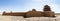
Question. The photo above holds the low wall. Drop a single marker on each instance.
(40, 19)
(11, 18)
(20, 18)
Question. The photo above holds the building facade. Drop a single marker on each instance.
(46, 13)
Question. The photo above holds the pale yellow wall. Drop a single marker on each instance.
(11, 18)
(5, 18)
(20, 18)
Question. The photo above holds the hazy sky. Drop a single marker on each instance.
(25, 5)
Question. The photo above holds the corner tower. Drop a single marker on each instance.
(47, 8)
(48, 12)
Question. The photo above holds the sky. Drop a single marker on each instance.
(26, 5)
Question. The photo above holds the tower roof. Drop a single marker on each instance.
(33, 9)
(47, 8)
